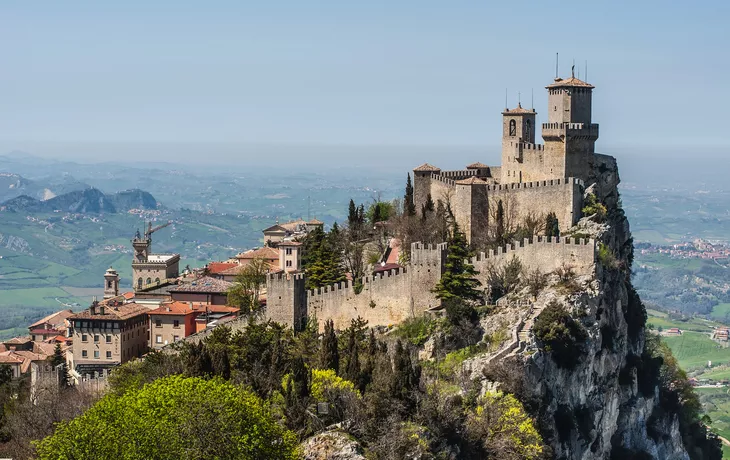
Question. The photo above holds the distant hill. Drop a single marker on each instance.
(90, 200)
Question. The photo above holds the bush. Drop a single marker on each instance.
(607, 257)
(416, 330)
(558, 333)
(593, 207)
(504, 279)
(195, 418)
(567, 279)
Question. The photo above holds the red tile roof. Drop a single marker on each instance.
(128, 295)
(290, 243)
(386, 267)
(215, 268)
(569, 82)
(119, 312)
(262, 253)
(427, 167)
(53, 319)
(476, 165)
(473, 180)
(8, 357)
(275, 228)
(18, 340)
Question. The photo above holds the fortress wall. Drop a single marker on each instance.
(286, 298)
(564, 197)
(545, 254)
(442, 189)
(385, 299)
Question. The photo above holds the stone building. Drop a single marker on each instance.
(107, 334)
(534, 178)
(150, 270)
(173, 321)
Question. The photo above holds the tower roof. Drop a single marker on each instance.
(476, 165)
(471, 181)
(519, 110)
(427, 167)
(569, 82)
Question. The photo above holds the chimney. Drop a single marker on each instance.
(101, 310)
(92, 308)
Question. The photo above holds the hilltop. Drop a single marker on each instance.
(90, 200)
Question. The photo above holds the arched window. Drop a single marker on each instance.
(139, 283)
(512, 128)
(149, 280)
(528, 130)
(157, 280)
(109, 284)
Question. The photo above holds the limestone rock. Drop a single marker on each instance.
(332, 445)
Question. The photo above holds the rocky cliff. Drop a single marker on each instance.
(90, 200)
(601, 406)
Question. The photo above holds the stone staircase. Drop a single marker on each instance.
(523, 334)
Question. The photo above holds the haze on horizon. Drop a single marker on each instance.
(320, 83)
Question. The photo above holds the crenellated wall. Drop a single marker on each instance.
(542, 253)
(390, 297)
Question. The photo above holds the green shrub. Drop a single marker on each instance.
(558, 333)
(607, 257)
(593, 206)
(416, 330)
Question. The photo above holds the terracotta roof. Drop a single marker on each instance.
(473, 180)
(128, 295)
(427, 167)
(8, 357)
(42, 331)
(17, 340)
(121, 312)
(263, 253)
(53, 318)
(217, 267)
(205, 284)
(291, 226)
(519, 110)
(178, 308)
(45, 348)
(289, 243)
(315, 222)
(386, 267)
(476, 165)
(570, 82)
(275, 228)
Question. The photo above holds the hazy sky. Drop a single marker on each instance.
(341, 72)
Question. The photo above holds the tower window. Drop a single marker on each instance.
(512, 128)
(139, 283)
(528, 130)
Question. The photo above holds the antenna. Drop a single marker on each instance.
(519, 99)
(572, 70)
(556, 65)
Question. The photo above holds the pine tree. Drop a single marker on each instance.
(324, 264)
(458, 279)
(406, 376)
(428, 208)
(552, 226)
(329, 353)
(352, 371)
(409, 204)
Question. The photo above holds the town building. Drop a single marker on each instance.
(206, 290)
(107, 334)
(151, 270)
(52, 326)
(290, 256)
(173, 321)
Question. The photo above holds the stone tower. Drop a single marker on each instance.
(141, 247)
(569, 134)
(422, 184)
(111, 283)
(518, 130)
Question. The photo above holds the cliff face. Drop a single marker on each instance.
(598, 408)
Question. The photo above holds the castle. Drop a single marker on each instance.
(533, 180)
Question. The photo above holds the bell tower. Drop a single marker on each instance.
(141, 247)
(111, 283)
(518, 131)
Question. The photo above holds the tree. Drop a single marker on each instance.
(249, 282)
(324, 266)
(329, 352)
(351, 214)
(499, 230)
(409, 205)
(428, 207)
(552, 227)
(195, 418)
(458, 279)
(58, 361)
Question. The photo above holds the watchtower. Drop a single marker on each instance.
(111, 283)
(569, 134)
(141, 247)
(518, 129)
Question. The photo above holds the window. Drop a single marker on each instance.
(96, 338)
(84, 338)
(96, 354)
(512, 128)
(175, 338)
(176, 323)
(158, 323)
(555, 108)
(84, 354)
(157, 280)
(109, 284)
(528, 129)
(288, 251)
(288, 263)
(108, 355)
(158, 339)
(139, 283)
(149, 280)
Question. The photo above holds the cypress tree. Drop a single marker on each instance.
(376, 213)
(458, 279)
(499, 224)
(409, 205)
(329, 353)
(552, 227)
(428, 207)
(351, 214)
(352, 371)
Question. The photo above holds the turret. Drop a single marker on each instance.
(111, 283)
(142, 246)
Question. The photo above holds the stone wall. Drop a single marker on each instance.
(545, 254)
(286, 299)
(564, 197)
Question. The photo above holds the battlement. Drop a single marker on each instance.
(516, 246)
(431, 254)
(285, 276)
(536, 184)
(348, 287)
(579, 130)
(527, 146)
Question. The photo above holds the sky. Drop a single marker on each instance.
(193, 81)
